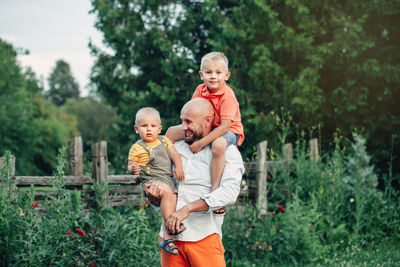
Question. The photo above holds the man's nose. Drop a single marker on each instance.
(184, 126)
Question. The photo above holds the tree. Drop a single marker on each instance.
(62, 84)
(98, 121)
(330, 62)
(95, 119)
(15, 107)
(33, 85)
(53, 129)
(157, 47)
(337, 63)
(30, 127)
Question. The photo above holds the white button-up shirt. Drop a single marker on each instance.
(197, 185)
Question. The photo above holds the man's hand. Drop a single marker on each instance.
(178, 173)
(196, 147)
(153, 192)
(175, 219)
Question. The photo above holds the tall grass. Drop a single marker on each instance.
(318, 210)
(62, 231)
(325, 212)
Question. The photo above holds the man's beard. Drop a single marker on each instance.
(195, 137)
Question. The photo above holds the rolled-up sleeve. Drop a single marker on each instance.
(229, 189)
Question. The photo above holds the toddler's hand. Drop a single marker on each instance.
(134, 168)
(196, 147)
(178, 173)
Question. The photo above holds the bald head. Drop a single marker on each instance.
(199, 106)
(197, 116)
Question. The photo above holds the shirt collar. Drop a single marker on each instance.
(206, 92)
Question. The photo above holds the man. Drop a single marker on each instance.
(201, 243)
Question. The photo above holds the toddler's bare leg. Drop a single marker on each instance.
(218, 161)
(175, 133)
(167, 206)
(217, 166)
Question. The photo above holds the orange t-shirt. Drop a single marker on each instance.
(226, 107)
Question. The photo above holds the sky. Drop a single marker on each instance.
(51, 30)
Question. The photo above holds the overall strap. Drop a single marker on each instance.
(144, 145)
(163, 140)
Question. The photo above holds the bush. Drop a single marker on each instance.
(316, 210)
(318, 214)
(62, 231)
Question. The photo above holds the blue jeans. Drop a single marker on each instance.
(231, 138)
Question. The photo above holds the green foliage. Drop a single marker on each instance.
(96, 122)
(362, 183)
(328, 212)
(323, 62)
(384, 254)
(61, 231)
(30, 127)
(54, 128)
(62, 84)
(33, 85)
(156, 50)
(150, 66)
(335, 64)
(95, 119)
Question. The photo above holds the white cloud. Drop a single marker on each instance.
(51, 30)
(8, 38)
(44, 63)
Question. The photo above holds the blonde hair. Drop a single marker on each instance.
(214, 56)
(147, 111)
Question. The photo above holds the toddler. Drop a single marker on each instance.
(151, 157)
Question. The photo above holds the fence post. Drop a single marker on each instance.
(261, 179)
(76, 156)
(287, 151)
(100, 162)
(11, 170)
(314, 155)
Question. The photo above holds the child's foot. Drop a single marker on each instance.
(182, 228)
(220, 212)
(169, 246)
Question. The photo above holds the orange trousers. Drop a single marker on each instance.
(204, 253)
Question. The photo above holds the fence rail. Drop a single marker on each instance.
(125, 192)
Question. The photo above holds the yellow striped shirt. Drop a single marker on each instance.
(140, 155)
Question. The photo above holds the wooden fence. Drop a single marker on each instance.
(123, 189)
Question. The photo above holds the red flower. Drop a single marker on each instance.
(91, 264)
(282, 208)
(68, 233)
(34, 204)
(146, 202)
(79, 231)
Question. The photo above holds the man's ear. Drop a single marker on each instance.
(208, 120)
